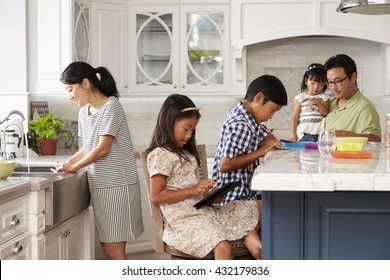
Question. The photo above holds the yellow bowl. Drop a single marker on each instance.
(350, 143)
(6, 169)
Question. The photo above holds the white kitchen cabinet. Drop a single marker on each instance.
(58, 34)
(36, 218)
(14, 234)
(178, 48)
(258, 21)
(17, 248)
(71, 240)
(109, 40)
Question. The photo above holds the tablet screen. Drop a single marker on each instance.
(218, 193)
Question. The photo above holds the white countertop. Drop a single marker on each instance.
(13, 184)
(306, 170)
(12, 188)
(41, 160)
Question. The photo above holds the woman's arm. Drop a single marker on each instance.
(101, 150)
(76, 157)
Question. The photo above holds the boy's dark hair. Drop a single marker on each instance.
(315, 72)
(343, 61)
(170, 112)
(270, 86)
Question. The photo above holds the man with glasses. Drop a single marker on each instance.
(351, 113)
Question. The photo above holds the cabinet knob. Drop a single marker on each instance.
(66, 233)
(174, 86)
(183, 86)
(18, 247)
(15, 220)
(125, 86)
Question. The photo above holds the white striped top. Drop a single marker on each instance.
(310, 119)
(118, 167)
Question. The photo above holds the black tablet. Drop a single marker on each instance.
(220, 192)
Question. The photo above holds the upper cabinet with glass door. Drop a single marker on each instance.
(179, 49)
(205, 62)
(154, 49)
(81, 34)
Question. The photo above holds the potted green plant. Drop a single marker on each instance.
(45, 132)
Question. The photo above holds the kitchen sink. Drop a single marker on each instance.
(65, 198)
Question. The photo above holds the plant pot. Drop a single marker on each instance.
(48, 147)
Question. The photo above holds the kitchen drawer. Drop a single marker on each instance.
(13, 218)
(18, 248)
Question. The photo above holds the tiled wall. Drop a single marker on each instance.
(286, 58)
(142, 115)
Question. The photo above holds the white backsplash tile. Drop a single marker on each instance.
(286, 58)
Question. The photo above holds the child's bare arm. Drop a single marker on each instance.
(294, 121)
(323, 106)
(160, 194)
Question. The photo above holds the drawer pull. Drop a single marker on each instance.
(66, 233)
(18, 247)
(15, 220)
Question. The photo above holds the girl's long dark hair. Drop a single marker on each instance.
(77, 71)
(170, 112)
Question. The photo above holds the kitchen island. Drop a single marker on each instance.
(317, 207)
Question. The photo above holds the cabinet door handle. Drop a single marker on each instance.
(15, 220)
(66, 233)
(18, 247)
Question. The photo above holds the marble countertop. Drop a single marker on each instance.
(306, 170)
(19, 185)
(41, 160)
(12, 188)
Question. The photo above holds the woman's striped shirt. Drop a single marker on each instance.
(118, 167)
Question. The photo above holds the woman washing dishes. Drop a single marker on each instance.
(108, 156)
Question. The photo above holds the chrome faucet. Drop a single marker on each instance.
(13, 112)
(6, 156)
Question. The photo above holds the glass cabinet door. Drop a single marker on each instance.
(205, 45)
(154, 44)
(81, 39)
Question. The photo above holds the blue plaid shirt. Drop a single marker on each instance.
(240, 135)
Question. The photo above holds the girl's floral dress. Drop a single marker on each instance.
(197, 232)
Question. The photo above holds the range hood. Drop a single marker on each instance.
(367, 7)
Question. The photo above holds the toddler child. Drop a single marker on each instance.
(310, 106)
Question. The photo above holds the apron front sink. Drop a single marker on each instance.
(67, 197)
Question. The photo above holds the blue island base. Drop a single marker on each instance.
(326, 225)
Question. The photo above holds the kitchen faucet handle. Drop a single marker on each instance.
(7, 156)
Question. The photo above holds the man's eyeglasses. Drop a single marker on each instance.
(338, 83)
